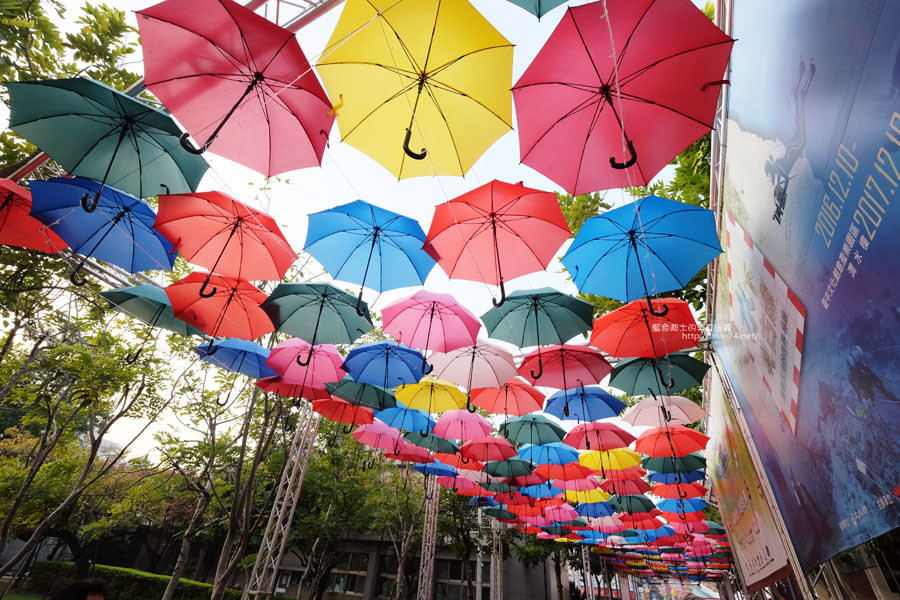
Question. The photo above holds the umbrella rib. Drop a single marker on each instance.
(106, 135)
(236, 62)
(249, 59)
(663, 106)
(575, 109)
(628, 78)
(621, 54)
(447, 88)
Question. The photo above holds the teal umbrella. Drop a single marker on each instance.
(431, 442)
(667, 375)
(531, 429)
(150, 304)
(318, 313)
(362, 394)
(631, 503)
(97, 132)
(666, 464)
(499, 512)
(509, 468)
(538, 8)
(499, 487)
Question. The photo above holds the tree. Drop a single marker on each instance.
(458, 522)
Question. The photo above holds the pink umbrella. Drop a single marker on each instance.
(324, 364)
(479, 365)
(662, 410)
(478, 476)
(460, 485)
(461, 425)
(488, 448)
(515, 397)
(598, 436)
(563, 512)
(610, 524)
(430, 321)
(564, 366)
(679, 527)
(625, 486)
(538, 521)
(292, 390)
(578, 485)
(377, 435)
(409, 453)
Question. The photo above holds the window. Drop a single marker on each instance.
(349, 574)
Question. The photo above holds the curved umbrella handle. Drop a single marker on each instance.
(654, 312)
(76, 278)
(566, 408)
(680, 495)
(212, 348)
(624, 165)
(667, 383)
(90, 204)
(540, 368)
(426, 368)
(463, 459)
(347, 428)
(131, 359)
(308, 359)
(409, 151)
(331, 442)
(666, 414)
(204, 292)
(502, 299)
(469, 406)
(186, 144)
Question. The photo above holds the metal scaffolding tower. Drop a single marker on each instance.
(496, 562)
(586, 570)
(268, 560)
(429, 539)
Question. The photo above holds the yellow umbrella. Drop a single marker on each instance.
(594, 495)
(419, 74)
(610, 460)
(431, 394)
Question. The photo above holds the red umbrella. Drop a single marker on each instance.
(674, 440)
(679, 490)
(455, 460)
(564, 366)
(237, 82)
(343, 412)
(489, 448)
(629, 473)
(684, 517)
(520, 228)
(598, 436)
(564, 472)
(409, 453)
(577, 485)
(633, 330)
(232, 311)
(215, 231)
(18, 227)
(613, 97)
(292, 390)
(462, 486)
(625, 486)
(515, 397)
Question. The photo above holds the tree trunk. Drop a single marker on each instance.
(186, 541)
(557, 559)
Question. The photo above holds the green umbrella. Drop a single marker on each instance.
(640, 376)
(362, 394)
(538, 8)
(537, 317)
(95, 131)
(715, 528)
(499, 512)
(579, 522)
(509, 468)
(431, 442)
(631, 503)
(150, 304)
(317, 313)
(531, 429)
(666, 464)
(499, 487)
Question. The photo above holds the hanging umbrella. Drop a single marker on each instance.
(341, 411)
(682, 505)
(317, 312)
(520, 228)
(508, 468)
(554, 453)
(150, 305)
(409, 64)
(458, 461)
(292, 390)
(406, 419)
(637, 329)
(361, 394)
(598, 436)
(430, 321)
(689, 477)
(487, 448)
(387, 364)
(119, 230)
(463, 487)
(538, 8)
(477, 366)
(631, 503)
(17, 226)
(651, 246)
(515, 397)
(618, 90)
(99, 133)
(238, 356)
(533, 429)
(238, 83)
(462, 425)
(215, 231)
(409, 453)
(594, 510)
(671, 464)
(613, 460)
(562, 365)
(431, 395)
(541, 490)
(233, 310)
(431, 442)
(583, 404)
(594, 495)
(322, 367)
(436, 468)
(679, 490)
(625, 486)
(660, 410)
(377, 435)
(674, 440)
(564, 472)
(672, 373)
(362, 243)
(482, 501)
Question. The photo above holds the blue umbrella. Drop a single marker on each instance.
(541, 490)
(364, 244)
(387, 364)
(119, 231)
(554, 453)
(584, 404)
(676, 505)
(594, 510)
(650, 246)
(437, 469)
(406, 419)
(237, 355)
(483, 501)
(689, 477)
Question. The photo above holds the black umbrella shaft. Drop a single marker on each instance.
(221, 124)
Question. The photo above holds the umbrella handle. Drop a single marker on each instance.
(90, 204)
(359, 308)
(212, 348)
(540, 369)
(76, 278)
(502, 299)
(204, 292)
(131, 359)
(347, 428)
(654, 312)
(464, 459)
(624, 165)
(667, 383)
(331, 442)
(308, 359)
(186, 144)
(409, 151)
(426, 368)
(470, 407)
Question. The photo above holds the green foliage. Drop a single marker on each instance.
(578, 209)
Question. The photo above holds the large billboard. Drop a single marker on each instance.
(807, 307)
(753, 534)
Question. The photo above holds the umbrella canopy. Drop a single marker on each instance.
(675, 440)
(670, 464)
(387, 364)
(119, 230)
(658, 411)
(631, 503)
(233, 310)
(17, 226)
(593, 495)
(679, 490)
(406, 419)
(361, 394)
(625, 486)
(594, 510)
(638, 329)
(554, 453)
(564, 365)
(238, 356)
(634, 82)
(675, 505)
(564, 472)
(532, 429)
(538, 316)
(377, 435)
(670, 374)
(292, 390)
(317, 312)
(479, 365)
(343, 412)
(436, 468)
(424, 94)
(238, 83)
(541, 490)
(487, 448)
(97, 132)
(373, 247)
(613, 460)
(409, 453)
(509, 468)
(515, 397)
(538, 8)
(215, 231)
(521, 228)
(651, 246)
(583, 404)
(458, 461)
(431, 395)
(322, 367)
(431, 442)
(598, 436)
(149, 304)
(689, 477)
(462, 425)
